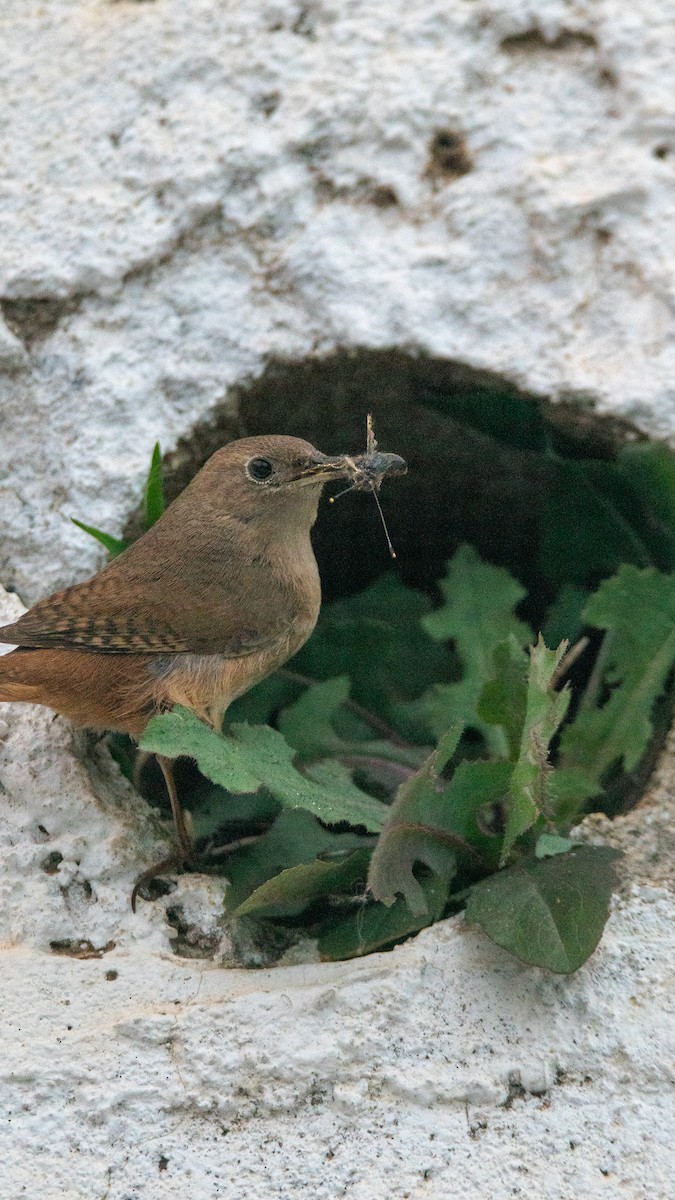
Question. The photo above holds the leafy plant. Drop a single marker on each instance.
(414, 760)
(486, 829)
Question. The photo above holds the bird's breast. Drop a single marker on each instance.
(208, 683)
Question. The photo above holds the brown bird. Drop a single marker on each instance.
(215, 596)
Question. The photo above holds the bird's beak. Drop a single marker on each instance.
(321, 468)
(360, 468)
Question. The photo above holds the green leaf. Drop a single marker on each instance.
(548, 912)
(436, 823)
(568, 793)
(375, 638)
(295, 888)
(213, 808)
(113, 545)
(335, 777)
(374, 926)
(586, 529)
(650, 468)
(492, 413)
(477, 616)
(637, 608)
(549, 844)
(260, 705)
(154, 489)
(544, 712)
(308, 726)
(564, 620)
(503, 699)
(253, 756)
(295, 839)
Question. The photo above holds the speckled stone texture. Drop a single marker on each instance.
(190, 190)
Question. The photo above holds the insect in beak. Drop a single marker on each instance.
(367, 471)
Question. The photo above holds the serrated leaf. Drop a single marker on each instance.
(113, 545)
(252, 756)
(435, 822)
(335, 777)
(374, 926)
(503, 699)
(478, 597)
(477, 616)
(308, 726)
(295, 888)
(544, 712)
(637, 608)
(564, 619)
(548, 912)
(154, 489)
(296, 838)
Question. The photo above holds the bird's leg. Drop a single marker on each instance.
(185, 851)
(184, 839)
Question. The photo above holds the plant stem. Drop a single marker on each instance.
(568, 661)
(590, 696)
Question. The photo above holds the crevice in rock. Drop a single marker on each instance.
(33, 319)
(191, 941)
(449, 157)
(79, 948)
(145, 268)
(534, 41)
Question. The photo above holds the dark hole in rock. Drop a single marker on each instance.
(484, 465)
(448, 155)
(527, 483)
(530, 484)
(50, 864)
(383, 196)
(191, 941)
(552, 493)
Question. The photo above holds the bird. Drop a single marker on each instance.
(216, 595)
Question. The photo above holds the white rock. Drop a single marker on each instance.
(442, 1068)
(189, 190)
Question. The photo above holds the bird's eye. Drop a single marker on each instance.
(259, 469)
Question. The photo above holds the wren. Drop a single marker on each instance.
(219, 593)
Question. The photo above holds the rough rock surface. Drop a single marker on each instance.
(190, 189)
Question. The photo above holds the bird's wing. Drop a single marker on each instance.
(128, 610)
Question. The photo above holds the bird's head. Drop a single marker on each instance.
(261, 476)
